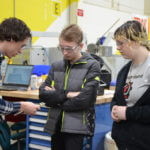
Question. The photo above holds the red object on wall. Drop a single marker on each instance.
(80, 12)
(142, 20)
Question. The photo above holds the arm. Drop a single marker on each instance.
(116, 100)
(117, 105)
(113, 102)
(51, 96)
(9, 107)
(138, 113)
(87, 95)
(13, 107)
(135, 113)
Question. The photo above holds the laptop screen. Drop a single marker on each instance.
(18, 75)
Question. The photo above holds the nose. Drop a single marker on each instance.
(119, 47)
(19, 51)
(65, 52)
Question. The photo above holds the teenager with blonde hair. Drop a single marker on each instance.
(131, 102)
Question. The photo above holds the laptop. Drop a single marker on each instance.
(17, 77)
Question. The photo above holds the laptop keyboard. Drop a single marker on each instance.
(14, 88)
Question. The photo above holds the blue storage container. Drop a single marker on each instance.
(41, 69)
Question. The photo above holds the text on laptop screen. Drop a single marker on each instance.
(18, 75)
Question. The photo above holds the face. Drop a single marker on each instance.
(12, 48)
(126, 48)
(70, 50)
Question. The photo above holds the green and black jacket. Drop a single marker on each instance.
(77, 114)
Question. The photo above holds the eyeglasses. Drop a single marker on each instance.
(67, 48)
(120, 43)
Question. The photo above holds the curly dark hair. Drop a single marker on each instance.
(14, 29)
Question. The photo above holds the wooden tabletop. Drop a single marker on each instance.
(104, 99)
(31, 94)
(34, 94)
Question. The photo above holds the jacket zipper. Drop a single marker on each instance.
(65, 87)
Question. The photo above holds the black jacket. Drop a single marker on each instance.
(99, 59)
(136, 129)
(78, 77)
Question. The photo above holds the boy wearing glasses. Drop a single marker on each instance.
(70, 92)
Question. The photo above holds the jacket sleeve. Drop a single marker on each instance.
(113, 102)
(51, 97)
(9, 107)
(138, 113)
(88, 93)
(116, 100)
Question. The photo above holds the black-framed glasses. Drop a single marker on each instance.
(67, 48)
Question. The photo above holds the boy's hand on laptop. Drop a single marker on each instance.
(29, 108)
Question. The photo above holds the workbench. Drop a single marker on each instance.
(36, 138)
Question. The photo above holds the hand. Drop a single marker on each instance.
(29, 108)
(49, 88)
(114, 114)
(119, 113)
(72, 94)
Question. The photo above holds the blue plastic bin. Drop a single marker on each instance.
(41, 69)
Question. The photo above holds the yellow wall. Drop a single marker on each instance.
(38, 14)
(149, 28)
(6, 9)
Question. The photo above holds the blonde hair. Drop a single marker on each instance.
(133, 31)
